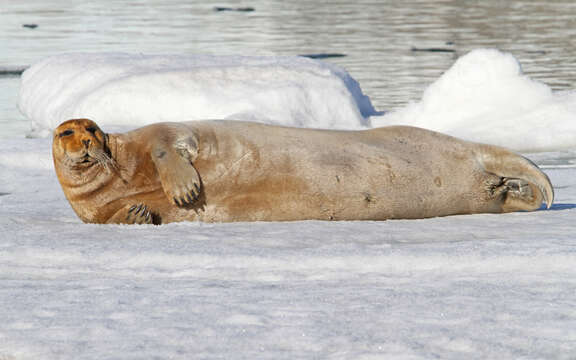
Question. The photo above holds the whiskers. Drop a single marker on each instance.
(104, 160)
(76, 162)
(92, 158)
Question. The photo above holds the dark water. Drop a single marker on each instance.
(394, 49)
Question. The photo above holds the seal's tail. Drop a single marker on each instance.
(526, 185)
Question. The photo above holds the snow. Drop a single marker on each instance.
(485, 97)
(135, 90)
(474, 287)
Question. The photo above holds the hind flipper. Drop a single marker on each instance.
(522, 185)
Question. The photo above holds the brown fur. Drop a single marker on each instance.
(219, 171)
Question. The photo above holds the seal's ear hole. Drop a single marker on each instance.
(66, 133)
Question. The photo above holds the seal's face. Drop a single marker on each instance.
(79, 143)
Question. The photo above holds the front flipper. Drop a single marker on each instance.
(180, 180)
(133, 214)
(139, 214)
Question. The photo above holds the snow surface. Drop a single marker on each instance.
(462, 287)
(473, 287)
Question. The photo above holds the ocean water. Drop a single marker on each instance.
(394, 49)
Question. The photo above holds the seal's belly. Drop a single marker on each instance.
(333, 183)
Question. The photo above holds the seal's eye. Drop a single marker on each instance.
(91, 129)
(66, 133)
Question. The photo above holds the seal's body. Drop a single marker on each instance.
(223, 171)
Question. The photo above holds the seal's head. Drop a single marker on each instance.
(79, 143)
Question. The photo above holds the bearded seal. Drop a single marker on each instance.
(225, 171)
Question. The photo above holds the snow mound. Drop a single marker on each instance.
(485, 97)
(134, 90)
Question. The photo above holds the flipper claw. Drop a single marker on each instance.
(138, 214)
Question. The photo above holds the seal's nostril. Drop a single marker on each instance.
(86, 142)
